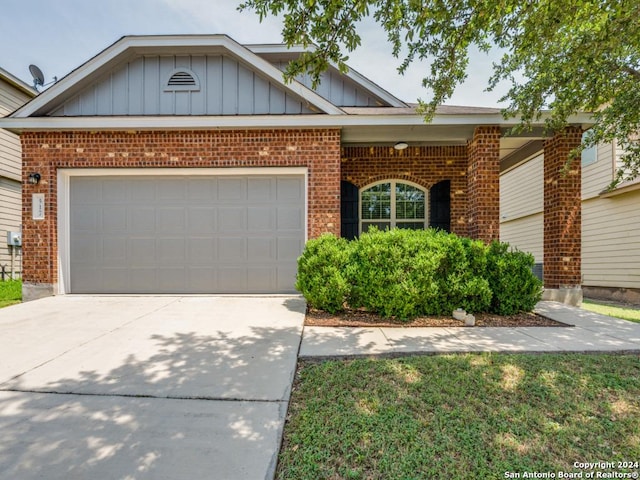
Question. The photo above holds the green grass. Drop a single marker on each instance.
(625, 313)
(460, 416)
(10, 292)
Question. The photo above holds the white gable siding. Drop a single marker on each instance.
(226, 87)
(338, 89)
(521, 206)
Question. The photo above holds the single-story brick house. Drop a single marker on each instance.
(186, 164)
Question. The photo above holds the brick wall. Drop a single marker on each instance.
(484, 184)
(424, 166)
(45, 152)
(562, 211)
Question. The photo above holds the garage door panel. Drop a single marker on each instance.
(114, 218)
(114, 250)
(289, 248)
(260, 219)
(115, 280)
(170, 219)
(289, 218)
(261, 249)
(172, 250)
(86, 218)
(232, 219)
(144, 279)
(142, 251)
(260, 190)
(143, 190)
(232, 190)
(258, 277)
(185, 234)
(204, 189)
(142, 219)
(202, 250)
(115, 192)
(232, 279)
(202, 219)
(290, 189)
(232, 250)
(86, 249)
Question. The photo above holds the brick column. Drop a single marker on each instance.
(483, 184)
(562, 217)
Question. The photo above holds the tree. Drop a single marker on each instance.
(566, 56)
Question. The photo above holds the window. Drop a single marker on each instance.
(390, 204)
(589, 155)
(182, 79)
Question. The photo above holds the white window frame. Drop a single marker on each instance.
(591, 151)
(393, 220)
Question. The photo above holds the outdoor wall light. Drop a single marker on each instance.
(34, 178)
(401, 145)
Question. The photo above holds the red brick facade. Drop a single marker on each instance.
(483, 179)
(425, 166)
(562, 211)
(45, 152)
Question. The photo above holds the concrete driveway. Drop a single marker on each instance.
(146, 387)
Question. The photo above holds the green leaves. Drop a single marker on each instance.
(568, 56)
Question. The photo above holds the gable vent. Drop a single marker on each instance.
(182, 79)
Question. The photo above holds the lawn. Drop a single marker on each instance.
(626, 313)
(10, 292)
(461, 416)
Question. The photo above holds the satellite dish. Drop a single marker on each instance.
(38, 76)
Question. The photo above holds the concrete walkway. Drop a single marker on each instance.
(146, 387)
(590, 332)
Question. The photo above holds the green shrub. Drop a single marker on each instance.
(406, 273)
(515, 288)
(321, 273)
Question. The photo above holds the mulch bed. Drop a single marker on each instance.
(359, 318)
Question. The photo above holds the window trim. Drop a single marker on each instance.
(393, 220)
(586, 163)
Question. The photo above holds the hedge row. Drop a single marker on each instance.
(407, 273)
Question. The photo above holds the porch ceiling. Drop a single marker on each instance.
(512, 148)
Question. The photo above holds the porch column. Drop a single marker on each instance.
(483, 184)
(562, 218)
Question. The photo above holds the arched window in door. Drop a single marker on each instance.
(393, 203)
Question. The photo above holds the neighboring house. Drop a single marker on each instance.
(186, 164)
(13, 94)
(610, 220)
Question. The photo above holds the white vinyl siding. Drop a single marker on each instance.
(10, 152)
(10, 219)
(610, 246)
(525, 234)
(521, 206)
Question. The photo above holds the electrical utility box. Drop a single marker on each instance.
(14, 239)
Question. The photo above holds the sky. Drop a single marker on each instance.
(60, 35)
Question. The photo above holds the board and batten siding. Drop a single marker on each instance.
(339, 89)
(226, 87)
(521, 207)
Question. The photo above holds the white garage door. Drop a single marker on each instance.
(185, 234)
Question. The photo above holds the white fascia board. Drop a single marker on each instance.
(193, 122)
(17, 83)
(354, 75)
(175, 41)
